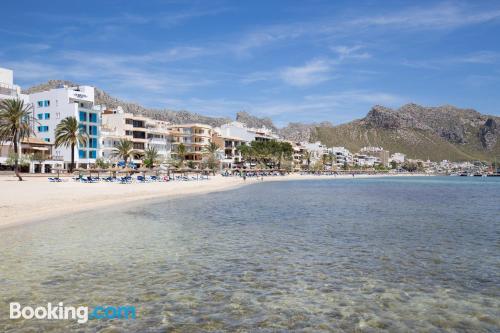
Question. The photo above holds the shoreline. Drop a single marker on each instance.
(37, 200)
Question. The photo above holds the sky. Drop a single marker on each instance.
(292, 61)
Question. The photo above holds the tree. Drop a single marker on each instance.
(394, 165)
(318, 166)
(15, 125)
(246, 152)
(181, 153)
(22, 160)
(307, 158)
(151, 156)
(70, 134)
(410, 166)
(324, 160)
(333, 160)
(212, 148)
(285, 152)
(124, 149)
(101, 163)
(212, 161)
(38, 157)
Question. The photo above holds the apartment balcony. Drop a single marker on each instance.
(7, 90)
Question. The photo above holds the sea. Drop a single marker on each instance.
(392, 254)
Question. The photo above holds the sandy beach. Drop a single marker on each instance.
(37, 199)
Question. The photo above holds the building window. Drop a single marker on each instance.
(92, 117)
(83, 128)
(40, 116)
(46, 103)
(92, 130)
(46, 139)
(83, 116)
(43, 128)
(92, 154)
(47, 116)
(92, 143)
(40, 104)
(82, 154)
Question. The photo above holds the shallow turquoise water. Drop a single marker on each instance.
(394, 254)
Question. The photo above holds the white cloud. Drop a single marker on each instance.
(440, 16)
(482, 57)
(313, 72)
(350, 52)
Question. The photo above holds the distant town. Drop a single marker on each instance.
(232, 146)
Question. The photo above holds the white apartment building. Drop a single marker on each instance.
(8, 90)
(342, 156)
(366, 160)
(54, 105)
(398, 158)
(234, 134)
(239, 130)
(28, 146)
(316, 149)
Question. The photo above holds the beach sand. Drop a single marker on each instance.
(37, 199)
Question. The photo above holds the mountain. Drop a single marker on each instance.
(299, 132)
(444, 132)
(436, 133)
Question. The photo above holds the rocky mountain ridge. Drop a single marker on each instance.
(443, 132)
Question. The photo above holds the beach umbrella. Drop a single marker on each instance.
(58, 170)
(143, 170)
(113, 171)
(127, 170)
(157, 170)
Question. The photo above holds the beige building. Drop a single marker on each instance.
(195, 138)
(142, 131)
(230, 155)
(379, 152)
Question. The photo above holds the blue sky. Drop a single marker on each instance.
(291, 61)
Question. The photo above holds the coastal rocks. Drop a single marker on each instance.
(488, 134)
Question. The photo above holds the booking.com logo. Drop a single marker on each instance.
(61, 312)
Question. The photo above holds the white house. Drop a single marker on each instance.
(342, 155)
(398, 158)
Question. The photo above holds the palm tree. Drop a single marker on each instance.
(124, 149)
(246, 151)
(70, 134)
(212, 148)
(151, 156)
(15, 125)
(211, 151)
(181, 153)
(307, 157)
(333, 160)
